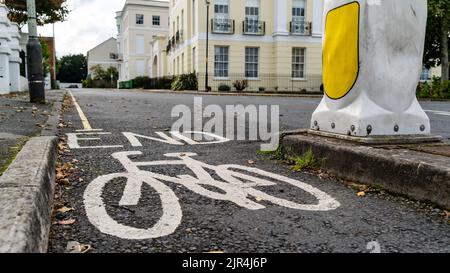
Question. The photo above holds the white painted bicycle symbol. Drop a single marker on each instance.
(239, 186)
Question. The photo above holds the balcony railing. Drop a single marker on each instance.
(300, 27)
(222, 26)
(254, 27)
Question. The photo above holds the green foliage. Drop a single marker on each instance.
(274, 155)
(185, 82)
(240, 85)
(112, 73)
(87, 83)
(139, 82)
(45, 57)
(434, 90)
(305, 161)
(99, 73)
(72, 68)
(48, 11)
(224, 88)
(438, 28)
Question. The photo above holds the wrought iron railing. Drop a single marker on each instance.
(254, 27)
(222, 26)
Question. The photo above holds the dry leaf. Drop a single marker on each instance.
(361, 194)
(65, 209)
(259, 199)
(76, 247)
(59, 176)
(251, 162)
(67, 222)
(64, 182)
(447, 215)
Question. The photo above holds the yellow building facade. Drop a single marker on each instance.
(273, 44)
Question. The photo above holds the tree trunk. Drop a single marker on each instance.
(444, 50)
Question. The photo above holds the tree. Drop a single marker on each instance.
(48, 11)
(99, 73)
(45, 58)
(72, 68)
(112, 71)
(438, 36)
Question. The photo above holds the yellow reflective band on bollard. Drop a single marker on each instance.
(341, 50)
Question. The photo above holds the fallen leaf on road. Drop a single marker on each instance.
(64, 182)
(67, 222)
(59, 176)
(251, 162)
(259, 199)
(65, 209)
(361, 194)
(447, 215)
(76, 247)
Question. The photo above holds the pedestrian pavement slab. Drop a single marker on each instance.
(20, 120)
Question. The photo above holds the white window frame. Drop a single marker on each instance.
(221, 62)
(156, 20)
(297, 57)
(252, 62)
(252, 16)
(140, 21)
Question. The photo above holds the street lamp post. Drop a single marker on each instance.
(34, 56)
(207, 45)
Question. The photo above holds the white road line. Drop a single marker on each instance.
(86, 125)
(441, 113)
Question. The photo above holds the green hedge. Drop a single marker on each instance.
(185, 82)
(434, 90)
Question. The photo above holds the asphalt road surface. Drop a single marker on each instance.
(189, 198)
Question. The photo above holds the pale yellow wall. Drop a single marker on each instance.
(129, 30)
(275, 54)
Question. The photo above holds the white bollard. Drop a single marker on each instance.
(372, 60)
(5, 51)
(14, 59)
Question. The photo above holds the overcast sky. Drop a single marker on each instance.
(89, 23)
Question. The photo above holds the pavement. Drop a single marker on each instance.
(27, 170)
(169, 208)
(19, 121)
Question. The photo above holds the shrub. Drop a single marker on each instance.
(185, 82)
(139, 82)
(240, 85)
(434, 90)
(87, 83)
(224, 88)
(262, 89)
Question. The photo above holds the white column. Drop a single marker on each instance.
(4, 50)
(280, 8)
(317, 22)
(14, 59)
